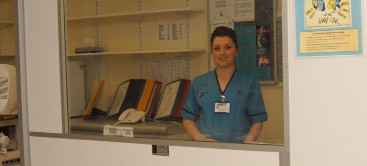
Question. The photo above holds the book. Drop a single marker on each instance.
(118, 99)
(132, 97)
(173, 100)
(91, 111)
(147, 92)
(153, 101)
(182, 98)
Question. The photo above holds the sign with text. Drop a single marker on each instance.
(329, 41)
(328, 27)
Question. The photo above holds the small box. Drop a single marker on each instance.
(88, 49)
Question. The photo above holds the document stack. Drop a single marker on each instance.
(173, 100)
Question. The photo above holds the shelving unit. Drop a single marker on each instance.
(10, 122)
(104, 26)
(129, 31)
(7, 56)
(136, 52)
(7, 34)
(135, 14)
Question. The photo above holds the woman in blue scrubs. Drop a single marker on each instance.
(224, 105)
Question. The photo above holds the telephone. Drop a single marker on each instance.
(4, 142)
(131, 115)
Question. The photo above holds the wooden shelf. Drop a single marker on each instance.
(134, 52)
(7, 55)
(5, 23)
(10, 122)
(133, 14)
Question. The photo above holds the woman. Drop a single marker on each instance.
(224, 105)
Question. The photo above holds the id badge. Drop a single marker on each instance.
(222, 107)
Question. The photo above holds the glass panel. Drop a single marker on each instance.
(130, 66)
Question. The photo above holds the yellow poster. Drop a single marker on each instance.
(327, 13)
(329, 41)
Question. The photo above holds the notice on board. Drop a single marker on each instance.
(329, 41)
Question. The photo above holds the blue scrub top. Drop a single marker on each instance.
(246, 106)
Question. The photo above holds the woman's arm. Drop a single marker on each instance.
(254, 132)
(194, 132)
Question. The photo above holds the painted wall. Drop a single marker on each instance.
(327, 108)
(60, 152)
(43, 66)
(327, 105)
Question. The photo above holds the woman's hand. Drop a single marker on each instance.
(194, 132)
(203, 138)
(254, 132)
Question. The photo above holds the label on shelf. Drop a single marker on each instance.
(118, 131)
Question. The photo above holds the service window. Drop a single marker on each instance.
(130, 65)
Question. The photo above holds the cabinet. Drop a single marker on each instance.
(150, 39)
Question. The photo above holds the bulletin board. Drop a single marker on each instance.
(254, 22)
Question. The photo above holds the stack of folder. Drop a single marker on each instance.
(173, 99)
(140, 94)
(144, 95)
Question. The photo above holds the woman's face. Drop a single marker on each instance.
(224, 51)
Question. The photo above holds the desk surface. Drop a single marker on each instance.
(147, 129)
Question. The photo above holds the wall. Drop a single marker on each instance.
(60, 152)
(327, 105)
(43, 66)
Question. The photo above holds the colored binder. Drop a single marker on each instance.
(172, 100)
(118, 99)
(132, 97)
(153, 101)
(91, 111)
(147, 92)
(183, 94)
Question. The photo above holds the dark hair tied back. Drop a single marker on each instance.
(224, 31)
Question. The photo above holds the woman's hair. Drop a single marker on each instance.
(224, 31)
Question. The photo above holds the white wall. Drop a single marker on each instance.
(61, 152)
(43, 67)
(327, 106)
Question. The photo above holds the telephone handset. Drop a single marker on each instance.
(131, 115)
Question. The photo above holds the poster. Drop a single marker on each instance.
(328, 27)
(243, 10)
(254, 50)
(171, 31)
(327, 13)
(220, 9)
(221, 22)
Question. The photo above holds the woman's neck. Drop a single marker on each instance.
(225, 73)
